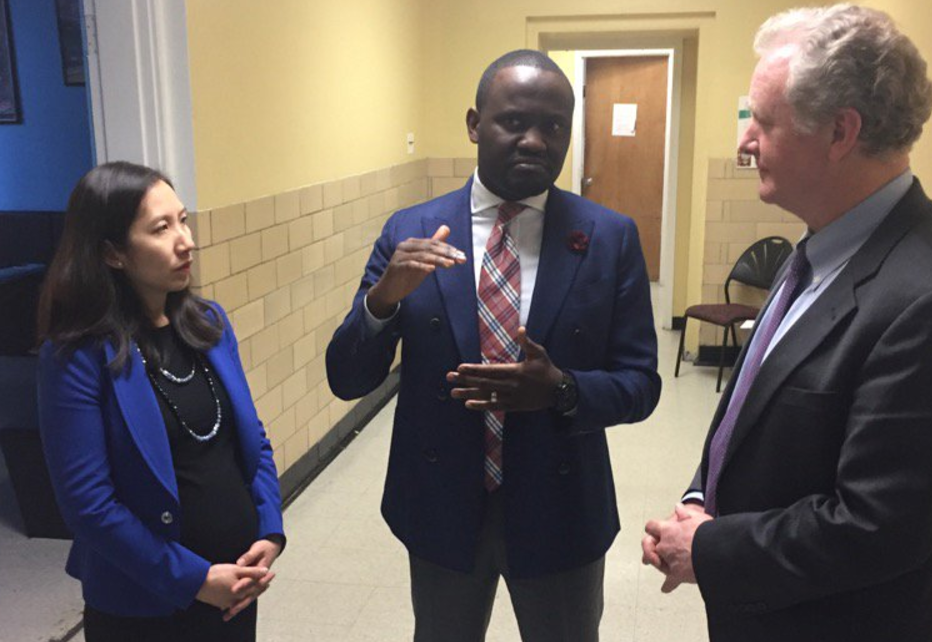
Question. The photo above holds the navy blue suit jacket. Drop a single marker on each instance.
(112, 471)
(591, 311)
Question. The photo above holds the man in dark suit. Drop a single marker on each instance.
(526, 329)
(811, 516)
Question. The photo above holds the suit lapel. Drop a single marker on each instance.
(799, 342)
(457, 285)
(835, 304)
(558, 264)
(143, 418)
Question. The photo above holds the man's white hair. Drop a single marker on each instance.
(852, 57)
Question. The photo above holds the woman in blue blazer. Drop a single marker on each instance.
(160, 465)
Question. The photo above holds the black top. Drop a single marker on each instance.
(218, 515)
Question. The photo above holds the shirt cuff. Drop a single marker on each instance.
(694, 496)
(373, 323)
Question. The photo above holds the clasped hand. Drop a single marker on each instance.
(668, 544)
(521, 386)
(233, 587)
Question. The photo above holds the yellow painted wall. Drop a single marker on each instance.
(463, 37)
(292, 92)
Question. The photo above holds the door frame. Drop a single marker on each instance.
(139, 87)
(674, 56)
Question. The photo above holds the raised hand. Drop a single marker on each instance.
(412, 262)
(521, 386)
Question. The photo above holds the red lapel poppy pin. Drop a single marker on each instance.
(577, 242)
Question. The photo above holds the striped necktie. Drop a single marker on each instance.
(499, 298)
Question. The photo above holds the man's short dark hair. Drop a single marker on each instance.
(516, 58)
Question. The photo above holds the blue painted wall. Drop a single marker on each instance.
(42, 157)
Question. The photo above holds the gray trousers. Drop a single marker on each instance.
(456, 607)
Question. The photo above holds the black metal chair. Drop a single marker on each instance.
(758, 267)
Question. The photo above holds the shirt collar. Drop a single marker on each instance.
(483, 199)
(832, 246)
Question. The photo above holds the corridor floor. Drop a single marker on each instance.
(344, 577)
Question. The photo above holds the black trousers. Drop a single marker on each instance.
(456, 607)
(198, 623)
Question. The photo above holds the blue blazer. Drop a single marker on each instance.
(112, 471)
(591, 311)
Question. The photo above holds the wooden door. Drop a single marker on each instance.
(625, 173)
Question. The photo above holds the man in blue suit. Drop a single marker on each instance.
(499, 465)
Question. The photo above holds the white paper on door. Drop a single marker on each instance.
(624, 119)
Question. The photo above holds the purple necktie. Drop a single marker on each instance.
(720, 440)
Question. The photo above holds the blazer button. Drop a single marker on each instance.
(564, 468)
(430, 455)
(577, 332)
(167, 518)
(442, 394)
(435, 324)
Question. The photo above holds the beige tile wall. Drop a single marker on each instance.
(735, 218)
(286, 267)
(448, 174)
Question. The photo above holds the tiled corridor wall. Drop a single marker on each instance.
(285, 267)
(735, 218)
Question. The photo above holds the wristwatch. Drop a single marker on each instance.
(565, 394)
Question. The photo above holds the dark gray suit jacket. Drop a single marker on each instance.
(825, 496)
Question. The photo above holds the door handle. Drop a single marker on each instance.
(587, 182)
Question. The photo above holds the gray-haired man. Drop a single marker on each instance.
(810, 518)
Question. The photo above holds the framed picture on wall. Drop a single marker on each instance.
(70, 42)
(9, 98)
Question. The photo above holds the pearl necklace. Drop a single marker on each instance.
(175, 378)
(171, 405)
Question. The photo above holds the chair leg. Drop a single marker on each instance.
(679, 353)
(734, 335)
(721, 360)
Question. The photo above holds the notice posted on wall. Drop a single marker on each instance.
(744, 161)
(624, 119)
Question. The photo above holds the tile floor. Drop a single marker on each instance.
(344, 578)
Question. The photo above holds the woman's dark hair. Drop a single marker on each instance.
(83, 298)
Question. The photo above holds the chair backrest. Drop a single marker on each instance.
(759, 264)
